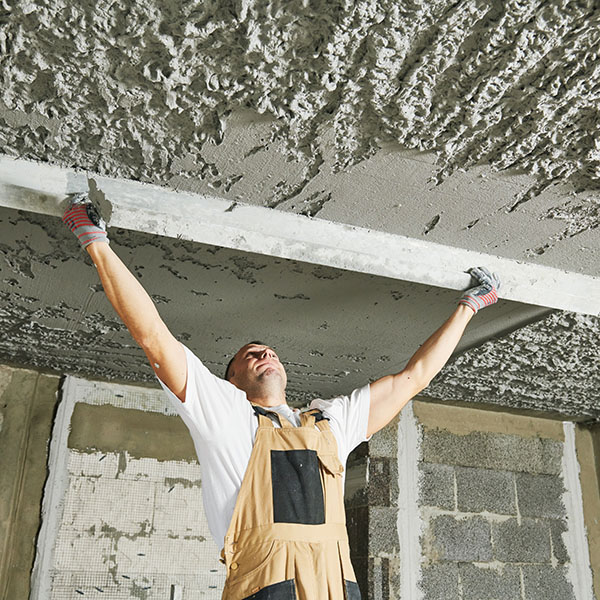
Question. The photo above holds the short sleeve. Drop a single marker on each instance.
(211, 403)
(349, 418)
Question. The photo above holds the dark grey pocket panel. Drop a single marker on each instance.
(352, 590)
(297, 488)
(285, 590)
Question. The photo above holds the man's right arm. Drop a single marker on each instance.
(130, 300)
(137, 311)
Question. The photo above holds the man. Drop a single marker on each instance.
(273, 478)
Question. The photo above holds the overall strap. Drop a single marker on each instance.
(264, 420)
(313, 417)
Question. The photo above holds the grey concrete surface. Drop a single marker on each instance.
(27, 404)
(466, 125)
(136, 432)
(525, 542)
(373, 104)
(334, 329)
(483, 489)
(558, 356)
(461, 540)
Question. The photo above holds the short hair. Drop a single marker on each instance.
(233, 357)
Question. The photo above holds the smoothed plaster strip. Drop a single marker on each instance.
(575, 537)
(54, 494)
(410, 523)
(209, 220)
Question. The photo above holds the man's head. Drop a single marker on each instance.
(256, 369)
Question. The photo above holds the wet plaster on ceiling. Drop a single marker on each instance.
(350, 112)
(334, 329)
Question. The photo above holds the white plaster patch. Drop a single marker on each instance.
(575, 538)
(54, 494)
(410, 523)
(125, 396)
(121, 526)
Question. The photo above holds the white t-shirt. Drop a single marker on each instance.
(223, 426)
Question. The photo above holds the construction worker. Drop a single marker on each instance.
(272, 477)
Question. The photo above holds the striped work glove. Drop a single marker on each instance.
(84, 220)
(484, 294)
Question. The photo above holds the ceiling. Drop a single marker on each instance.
(474, 125)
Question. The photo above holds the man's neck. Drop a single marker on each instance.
(268, 401)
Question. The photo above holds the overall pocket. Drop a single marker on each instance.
(250, 562)
(297, 487)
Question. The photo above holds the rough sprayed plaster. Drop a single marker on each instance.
(553, 364)
(363, 98)
(345, 111)
(55, 316)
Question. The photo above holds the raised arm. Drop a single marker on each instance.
(129, 299)
(391, 393)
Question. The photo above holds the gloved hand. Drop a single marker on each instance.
(84, 220)
(484, 294)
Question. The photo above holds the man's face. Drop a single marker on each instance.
(255, 366)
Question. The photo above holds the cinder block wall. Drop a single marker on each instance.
(468, 504)
(445, 502)
(491, 504)
(372, 490)
(27, 404)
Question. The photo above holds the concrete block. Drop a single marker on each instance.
(540, 495)
(439, 581)
(462, 540)
(355, 490)
(384, 444)
(383, 531)
(490, 584)
(481, 490)
(559, 550)
(383, 482)
(379, 579)
(495, 451)
(437, 486)
(528, 542)
(357, 524)
(543, 582)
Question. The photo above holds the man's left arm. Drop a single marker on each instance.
(391, 393)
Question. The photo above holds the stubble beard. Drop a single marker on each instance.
(270, 381)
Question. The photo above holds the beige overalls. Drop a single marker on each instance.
(287, 537)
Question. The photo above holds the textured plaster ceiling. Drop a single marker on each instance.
(334, 329)
(471, 124)
(553, 364)
(350, 111)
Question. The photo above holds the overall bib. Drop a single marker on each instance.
(287, 537)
